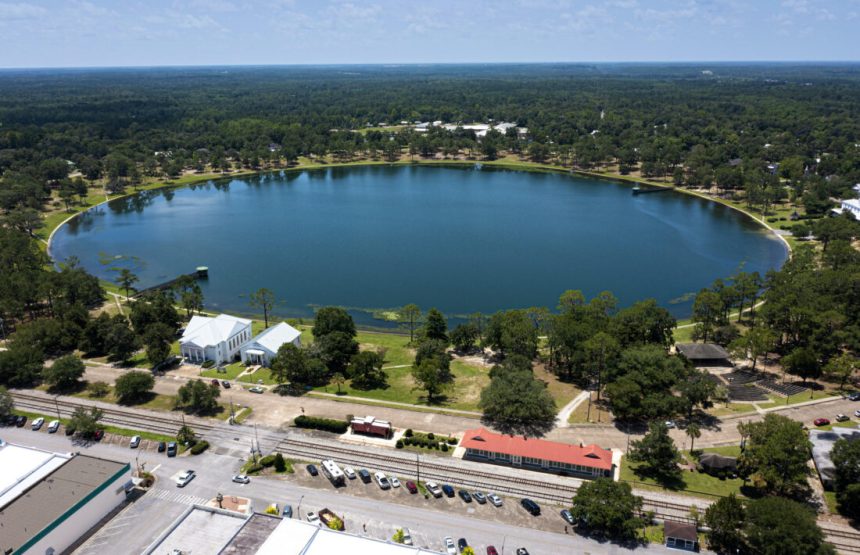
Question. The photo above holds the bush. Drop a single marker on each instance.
(267, 461)
(253, 469)
(408, 432)
(199, 447)
(452, 441)
(431, 436)
(399, 444)
(208, 364)
(325, 424)
(444, 447)
(98, 389)
(280, 464)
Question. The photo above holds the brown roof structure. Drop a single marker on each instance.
(681, 531)
(62, 491)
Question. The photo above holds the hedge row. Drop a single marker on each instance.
(199, 447)
(325, 424)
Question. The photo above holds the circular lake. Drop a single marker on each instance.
(463, 239)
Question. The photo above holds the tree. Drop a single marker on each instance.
(757, 342)
(707, 313)
(86, 423)
(338, 379)
(330, 319)
(65, 373)
(435, 326)
(133, 387)
(778, 526)
(846, 479)
(6, 403)
(21, 365)
(643, 323)
(697, 389)
(693, 432)
(98, 389)
(802, 362)
(186, 435)
(126, 280)
(641, 384)
(289, 365)
(120, 342)
(410, 316)
(517, 403)
(841, 368)
(398, 536)
(601, 353)
(198, 397)
(365, 370)
(725, 520)
(657, 453)
(336, 349)
(264, 299)
(156, 341)
(607, 508)
(463, 337)
(432, 375)
(775, 456)
(512, 332)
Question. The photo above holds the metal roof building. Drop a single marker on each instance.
(49, 500)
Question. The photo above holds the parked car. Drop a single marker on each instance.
(857, 413)
(225, 384)
(410, 485)
(530, 506)
(842, 418)
(462, 544)
(53, 426)
(671, 424)
(171, 449)
(821, 421)
(491, 550)
(20, 421)
(288, 511)
(407, 537)
(434, 489)
(37, 423)
(135, 442)
(10, 420)
(382, 480)
(395, 483)
(215, 382)
(522, 551)
(364, 475)
(349, 472)
(256, 389)
(854, 396)
(480, 497)
(99, 435)
(313, 518)
(241, 479)
(495, 499)
(162, 446)
(183, 479)
(450, 548)
(465, 496)
(449, 491)
(312, 470)
(565, 514)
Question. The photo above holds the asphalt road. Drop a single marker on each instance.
(362, 505)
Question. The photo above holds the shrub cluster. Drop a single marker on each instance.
(253, 469)
(199, 447)
(208, 364)
(267, 461)
(425, 441)
(325, 424)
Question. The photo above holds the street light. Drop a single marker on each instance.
(299, 508)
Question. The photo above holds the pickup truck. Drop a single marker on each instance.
(331, 520)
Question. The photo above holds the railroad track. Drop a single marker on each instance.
(463, 474)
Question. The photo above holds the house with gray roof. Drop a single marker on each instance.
(263, 348)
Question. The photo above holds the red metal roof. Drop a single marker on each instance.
(587, 455)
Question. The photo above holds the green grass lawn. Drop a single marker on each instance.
(696, 484)
(262, 373)
(229, 372)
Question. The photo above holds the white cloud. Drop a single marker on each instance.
(20, 10)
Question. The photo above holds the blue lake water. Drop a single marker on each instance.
(461, 239)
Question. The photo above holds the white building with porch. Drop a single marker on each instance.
(217, 339)
(263, 348)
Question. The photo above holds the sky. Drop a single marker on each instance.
(87, 33)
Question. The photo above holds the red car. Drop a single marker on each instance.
(410, 485)
(98, 435)
(491, 550)
(216, 383)
(821, 422)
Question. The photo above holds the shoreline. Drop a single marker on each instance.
(525, 166)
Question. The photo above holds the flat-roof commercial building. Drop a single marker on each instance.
(49, 500)
(588, 461)
(822, 445)
(209, 531)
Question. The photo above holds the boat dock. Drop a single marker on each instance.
(202, 272)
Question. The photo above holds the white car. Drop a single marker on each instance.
(857, 413)
(313, 518)
(450, 548)
(241, 479)
(53, 426)
(183, 479)
(495, 499)
(382, 480)
(37, 423)
(395, 483)
(670, 424)
(434, 489)
(135, 442)
(349, 472)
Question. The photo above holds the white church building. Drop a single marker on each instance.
(225, 338)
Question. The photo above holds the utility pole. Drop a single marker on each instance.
(418, 467)
(232, 413)
(57, 405)
(259, 452)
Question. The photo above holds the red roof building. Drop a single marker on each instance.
(583, 460)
